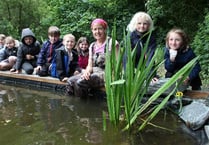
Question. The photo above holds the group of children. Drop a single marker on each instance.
(57, 57)
(77, 63)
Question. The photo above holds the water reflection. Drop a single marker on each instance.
(31, 117)
(47, 118)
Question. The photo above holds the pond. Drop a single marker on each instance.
(40, 117)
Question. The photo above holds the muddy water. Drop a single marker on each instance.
(31, 117)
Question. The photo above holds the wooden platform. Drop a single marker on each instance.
(7, 77)
(197, 94)
(35, 81)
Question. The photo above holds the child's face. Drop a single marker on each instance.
(10, 44)
(83, 45)
(53, 38)
(142, 25)
(98, 32)
(174, 41)
(1, 41)
(69, 42)
(28, 40)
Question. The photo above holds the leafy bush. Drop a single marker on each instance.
(201, 47)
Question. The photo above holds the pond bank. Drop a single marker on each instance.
(34, 81)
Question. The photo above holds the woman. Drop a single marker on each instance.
(93, 76)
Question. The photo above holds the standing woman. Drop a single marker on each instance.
(93, 76)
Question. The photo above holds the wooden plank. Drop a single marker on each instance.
(196, 94)
(32, 77)
(34, 81)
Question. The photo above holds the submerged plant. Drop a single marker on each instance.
(126, 85)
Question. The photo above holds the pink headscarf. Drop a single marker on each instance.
(99, 21)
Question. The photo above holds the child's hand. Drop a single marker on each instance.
(65, 79)
(173, 54)
(29, 57)
(76, 72)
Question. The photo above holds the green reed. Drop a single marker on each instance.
(126, 86)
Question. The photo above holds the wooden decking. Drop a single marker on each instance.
(35, 81)
(7, 77)
(197, 94)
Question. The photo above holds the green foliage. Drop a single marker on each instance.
(16, 15)
(75, 16)
(185, 14)
(201, 46)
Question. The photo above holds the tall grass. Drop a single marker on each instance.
(126, 86)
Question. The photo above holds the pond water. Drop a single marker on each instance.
(32, 117)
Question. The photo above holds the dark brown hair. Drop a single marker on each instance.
(53, 31)
(80, 40)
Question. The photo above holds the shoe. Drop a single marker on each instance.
(12, 70)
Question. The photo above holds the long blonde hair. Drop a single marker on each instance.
(133, 23)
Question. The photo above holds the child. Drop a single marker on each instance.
(66, 59)
(140, 26)
(2, 40)
(27, 53)
(83, 52)
(178, 54)
(8, 54)
(48, 51)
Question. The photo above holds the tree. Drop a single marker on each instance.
(16, 15)
(185, 14)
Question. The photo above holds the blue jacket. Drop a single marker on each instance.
(182, 58)
(139, 40)
(63, 68)
(44, 55)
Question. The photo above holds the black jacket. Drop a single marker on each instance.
(72, 64)
(25, 49)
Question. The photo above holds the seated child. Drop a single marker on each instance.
(66, 59)
(27, 53)
(8, 54)
(83, 52)
(2, 40)
(47, 51)
(178, 54)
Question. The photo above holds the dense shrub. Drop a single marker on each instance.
(201, 47)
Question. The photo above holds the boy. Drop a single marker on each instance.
(27, 53)
(48, 51)
(66, 59)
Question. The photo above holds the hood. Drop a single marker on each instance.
(27, 32)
